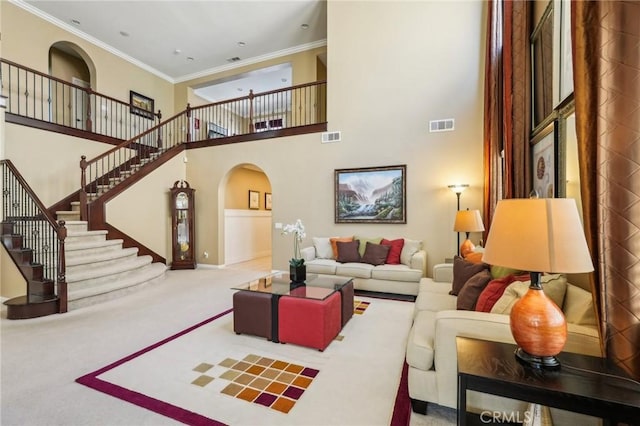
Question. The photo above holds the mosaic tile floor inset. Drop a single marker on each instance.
(359, 306)
(270, 382)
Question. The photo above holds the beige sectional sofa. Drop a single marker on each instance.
(431, 346)
(403, 278)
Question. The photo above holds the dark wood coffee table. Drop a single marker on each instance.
(583, 384)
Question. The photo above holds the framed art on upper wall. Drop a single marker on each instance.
(141, 105)
(371, 195)
(542, 71)
(267, 201)
(544, 157)
(566, 60)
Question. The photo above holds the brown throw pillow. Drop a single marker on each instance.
(471, 290)
(375, 254)
(462, 271)
(348, 251)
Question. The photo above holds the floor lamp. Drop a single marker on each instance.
(458, 188)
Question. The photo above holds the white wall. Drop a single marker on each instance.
(249, 234)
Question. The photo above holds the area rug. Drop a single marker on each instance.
(208, 375)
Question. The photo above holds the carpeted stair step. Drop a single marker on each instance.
(92, 247)
(75, 226)
(85, 236)
(103, 274)
(112, 289)
(81, 261)
(68, 215)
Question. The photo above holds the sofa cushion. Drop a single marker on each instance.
(393, 258)
(348, 251)
(323, 248)
(334, 241)
(322, 266)
(364, 241)
(396, 273)
(356, 270)
(375, 254)
(578, 306)
(554, 286)
(469, 293)
(462, 271)
(420, 341)
(492, 292)
(409, 248)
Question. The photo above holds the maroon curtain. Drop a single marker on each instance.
(507, 99)
(606, 65)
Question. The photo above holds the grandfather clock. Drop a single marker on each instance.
(183, 236)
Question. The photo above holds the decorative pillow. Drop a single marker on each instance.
(323, 248)
(468, 295)
(333, 242)
(364, 241)
(375, 254)
(409, 248)
(554, 286)
(493, 291)
(578, 306)
(462, 271)
(348, 251)
(474, 257)
(393, 258)
(502, 271)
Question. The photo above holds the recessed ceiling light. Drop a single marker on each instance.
(177, 51)
(242, 44)
(190, 58)
(75, 22)
(284, 80)
(239, 89)
(304, 26)
(124, 34)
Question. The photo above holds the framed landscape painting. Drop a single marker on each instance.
(371, 195)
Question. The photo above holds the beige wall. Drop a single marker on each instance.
(66, 67)
(26, 39)
(239, 182)
(143, 210)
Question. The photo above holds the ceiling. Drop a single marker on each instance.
(182, 40)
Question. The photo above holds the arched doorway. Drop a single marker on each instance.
(68, 62)
(247, 222)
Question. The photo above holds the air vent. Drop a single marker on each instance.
(234, 59)
(328, 137)
(446, 125)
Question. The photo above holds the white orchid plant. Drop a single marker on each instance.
(297, 229)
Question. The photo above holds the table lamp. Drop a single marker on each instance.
(458, 188)
(468, 221)
(538, 235)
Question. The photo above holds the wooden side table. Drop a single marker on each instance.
(584, 384)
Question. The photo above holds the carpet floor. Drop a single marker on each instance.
(205, 370)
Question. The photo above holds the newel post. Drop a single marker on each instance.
(159, 141)
(83, 188)
(188, 122)
(62, 266)
(251, 126)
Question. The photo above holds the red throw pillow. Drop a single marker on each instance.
(393, 258)
(494, 290)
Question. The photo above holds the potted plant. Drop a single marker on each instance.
(297, 268)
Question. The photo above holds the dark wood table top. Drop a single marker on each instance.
(580, 377)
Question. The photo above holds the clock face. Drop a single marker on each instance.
(182, 201)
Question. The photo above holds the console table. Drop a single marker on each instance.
(583, 384)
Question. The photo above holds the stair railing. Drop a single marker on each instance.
(40, 230)
(300, 105)
(33, 94)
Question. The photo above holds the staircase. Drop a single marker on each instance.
(99, 269)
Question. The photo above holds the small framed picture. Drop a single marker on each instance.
(544, 160)
(267, 201)
(254, 200)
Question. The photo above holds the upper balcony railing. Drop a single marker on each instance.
(33, 94)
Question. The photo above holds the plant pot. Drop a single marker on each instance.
(298, 273)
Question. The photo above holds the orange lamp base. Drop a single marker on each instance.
(538, 327)
(466, 247)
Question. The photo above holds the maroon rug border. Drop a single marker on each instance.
(401, 410)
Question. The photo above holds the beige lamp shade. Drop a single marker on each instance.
(468, 221)
(539, 234)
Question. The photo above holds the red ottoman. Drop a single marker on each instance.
(309, 322)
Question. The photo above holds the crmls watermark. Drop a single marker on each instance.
(488, 417)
